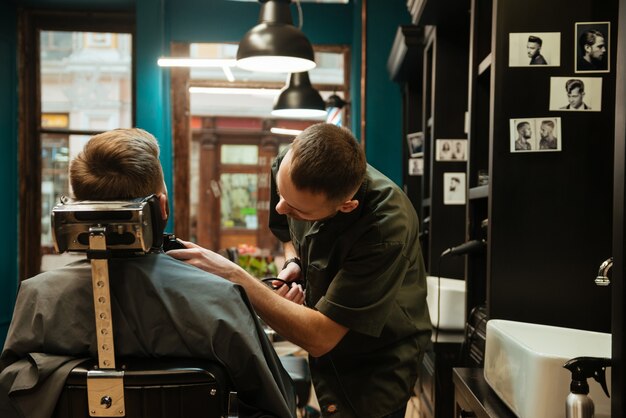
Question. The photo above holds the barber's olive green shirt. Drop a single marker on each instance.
(364, 270)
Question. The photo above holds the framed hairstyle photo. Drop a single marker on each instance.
(416, 166)
(453, 188)
(535, 49)
(576, 94)
(451, 150)
(415, 142)
(592, 47)
(535, 134)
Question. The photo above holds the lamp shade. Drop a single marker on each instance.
(299, 99)
(275, 44)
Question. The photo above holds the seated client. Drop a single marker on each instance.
(161, 307)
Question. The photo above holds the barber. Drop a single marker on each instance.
(352, 235)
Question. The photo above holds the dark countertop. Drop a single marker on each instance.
(477, 396)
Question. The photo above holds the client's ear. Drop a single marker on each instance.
(163, 205)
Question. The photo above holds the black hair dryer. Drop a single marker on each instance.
(469, 247)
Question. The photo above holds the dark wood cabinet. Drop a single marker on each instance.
(548, 213)
(474, 398)
(549, 219)
(444, 110)
(405, 68)
(434, 387)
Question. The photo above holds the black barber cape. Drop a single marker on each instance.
(161, 308)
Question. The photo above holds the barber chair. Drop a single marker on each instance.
(135, 388)
(155, 388)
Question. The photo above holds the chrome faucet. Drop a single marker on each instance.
(602, 279)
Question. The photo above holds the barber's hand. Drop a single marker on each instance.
(290, 273)
(204, 259)
(294, 294)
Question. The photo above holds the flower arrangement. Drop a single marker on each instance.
(254, 262)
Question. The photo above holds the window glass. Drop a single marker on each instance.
(239, 200)
(86, 85)
(240, 154)
(87, 76)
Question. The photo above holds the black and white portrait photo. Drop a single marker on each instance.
(535, 134)
(451, 150)
(592, 47)
(416, 166)
(453, 188)
(415, 142)
(532, 49)
(576, 94)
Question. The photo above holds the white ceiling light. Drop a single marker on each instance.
(196, 62)
(234, 91)
(285, 131)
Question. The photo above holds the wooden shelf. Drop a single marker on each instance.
(479, 192)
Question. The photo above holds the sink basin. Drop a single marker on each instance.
(450, 314)
(524, 366)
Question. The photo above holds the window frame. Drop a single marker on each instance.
(30, 24)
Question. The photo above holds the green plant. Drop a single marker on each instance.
(258, 266)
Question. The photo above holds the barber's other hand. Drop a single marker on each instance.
(290, 273)
(204, 259)
(295, 293)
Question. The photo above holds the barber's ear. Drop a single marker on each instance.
(164, 206)
(349, 206)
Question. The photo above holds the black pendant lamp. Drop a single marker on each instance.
(335, 101)
(299, 99)
(275, 44)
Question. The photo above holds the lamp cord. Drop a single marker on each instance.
(300, 18)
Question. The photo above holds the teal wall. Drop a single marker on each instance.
(158, 22)
(152, 97)
(8, 165)
(383, 98)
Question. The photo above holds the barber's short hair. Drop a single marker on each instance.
(574, 83)
(588, 37)
(118, 164)
(521, 125)
(327, 159)
(535, 39)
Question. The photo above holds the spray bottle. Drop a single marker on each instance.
(578, 403)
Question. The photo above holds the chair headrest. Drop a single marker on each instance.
(131, 225)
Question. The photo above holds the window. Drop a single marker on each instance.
(81, 84)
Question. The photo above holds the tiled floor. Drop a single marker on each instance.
(412, 408)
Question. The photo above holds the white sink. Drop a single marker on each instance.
(524, 366)
(450, 314)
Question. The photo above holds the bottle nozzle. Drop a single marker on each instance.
(583, 368)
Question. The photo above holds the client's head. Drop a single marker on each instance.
(118, 165)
